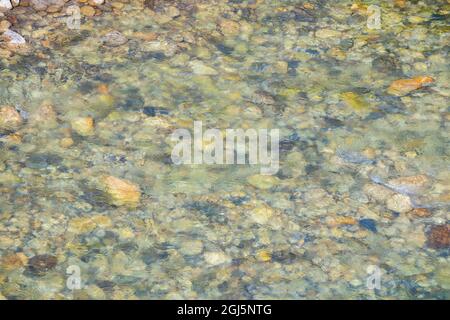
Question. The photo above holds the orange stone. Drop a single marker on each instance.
(103, 89)
(421, 212)
(122, 192)
(404, 86)
(400, 3)
(342, 220)
(10, 119)
(146, 36)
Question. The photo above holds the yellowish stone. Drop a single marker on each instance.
(399, 203)
(229, 27)
(122, 192)
(261, 214)
(10, 119)
(262, 181)
(81, 225)
(87, 11)
(84, 126)
(66, 142)
(327, 33)
(353, 100)
(13, 261)
(217, 258)
(263, 256)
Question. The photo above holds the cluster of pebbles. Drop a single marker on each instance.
(86, 175)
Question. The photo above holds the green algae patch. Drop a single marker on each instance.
(354, 101)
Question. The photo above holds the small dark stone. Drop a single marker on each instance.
(42, 160)
(390, 104)
(149, 111)
(212, 211)
(439, 17)
(385, 64)
(303, 15)
(333, 122)
(40, 71)
(154, 111)
(224, 49)
(95, 197)
(127, 247)
(286, 145)
(259, 66)
(368, 224)
(104, 77)
(353, 157)
(150, 4)
(151, 255)
(40, 264)
(293, 64)
(312, 52)
(346, 44)
(156, 55)
(284, 256)
(86, 87)
(360, 90)
(223, 286)
(237, 201)
(374, 116)
(167, 159)
(126, 280)
(438, 236)
(106, 285)
(356, 19)
(132, 102)
(310, 168)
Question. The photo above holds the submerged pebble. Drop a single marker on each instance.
(122, 192)
(86, 171)
(41, 264)
(439, 236)
(114, 39)
(10, 118)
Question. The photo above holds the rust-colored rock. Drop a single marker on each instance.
(439, 236)
(420, 212)
(400, 3)
(404, 86)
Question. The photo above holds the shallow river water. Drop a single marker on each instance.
(359, 208)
